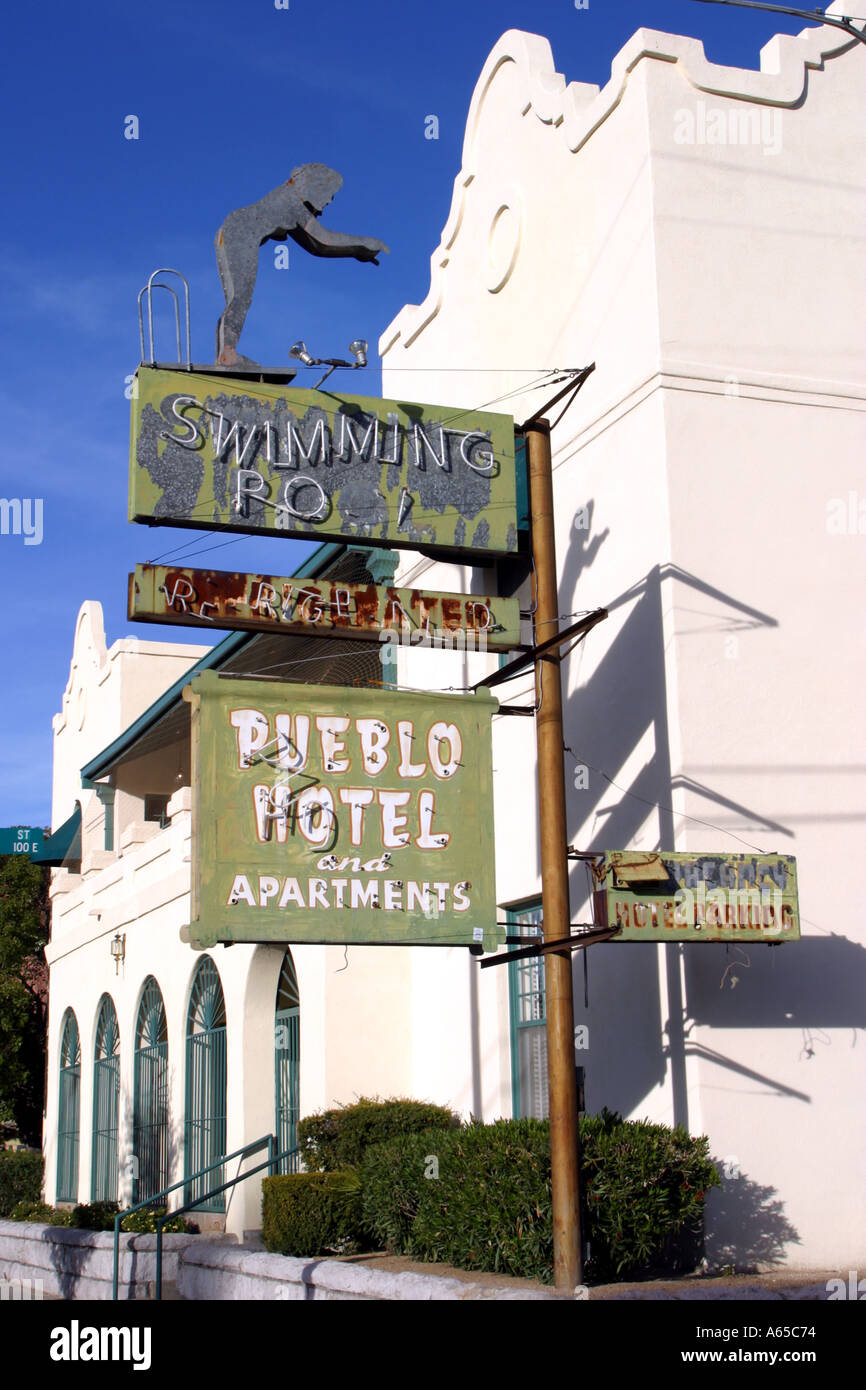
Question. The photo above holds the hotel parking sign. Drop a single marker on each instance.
(677, 896)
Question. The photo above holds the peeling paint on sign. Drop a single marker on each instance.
(330, 814)
(700, 897)
(327, 607)
(209, 453)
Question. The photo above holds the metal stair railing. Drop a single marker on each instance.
(267, 1141)
(270, 1163)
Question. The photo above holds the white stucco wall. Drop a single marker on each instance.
(692, 229)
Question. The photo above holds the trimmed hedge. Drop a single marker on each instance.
(479, 1198)
(21, 1173)
(334, 1140)
(644, 1189)
(311, 1214)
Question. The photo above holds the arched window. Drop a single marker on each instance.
(150, 1096)
(287, 1062)
(205, 1084)
(68, 1110)
(106, 1100)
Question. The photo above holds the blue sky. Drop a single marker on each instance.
(230, 95)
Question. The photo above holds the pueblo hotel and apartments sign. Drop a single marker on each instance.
(331, 814)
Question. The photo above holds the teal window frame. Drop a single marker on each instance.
(526, 997)
(69, 1110)
(206, 1085)
(287, 1062)
(106, 1104)
(150, 1104)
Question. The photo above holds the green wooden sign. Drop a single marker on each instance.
(210, 453)
(676, 896)
(323, 607)
(332, 814)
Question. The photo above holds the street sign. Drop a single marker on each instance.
(678, 896)
(324, 607)
(333, 814)
(214, 454)
(21, 839)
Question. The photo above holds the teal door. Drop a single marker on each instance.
(287, 1062)
(205, 1128)
(150, 1096)
(106, 1101)
(68, 1110)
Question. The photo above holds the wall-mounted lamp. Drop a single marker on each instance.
(118, 950)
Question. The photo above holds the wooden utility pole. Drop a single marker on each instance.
(556, 907)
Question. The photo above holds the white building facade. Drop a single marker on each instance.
(694, 231)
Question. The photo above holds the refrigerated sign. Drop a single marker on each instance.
(332, 814)
(323, 607)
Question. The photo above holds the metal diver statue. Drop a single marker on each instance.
(292, 210)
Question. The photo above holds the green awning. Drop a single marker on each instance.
(64, 844)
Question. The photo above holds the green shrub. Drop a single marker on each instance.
(144, 1222)
(98, 1216)
(477, 1198)
(21, 1172)
(644, 1188)
(480, 1198)
(334, 1140)
(41, 1213)
(312, 1214)
(94, 1216)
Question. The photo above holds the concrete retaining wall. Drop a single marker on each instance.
(221, 1272)
(79, 1264)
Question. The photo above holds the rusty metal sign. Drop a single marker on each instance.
(325, 607)
(675, 896)
(215, 455)
(332, 814)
